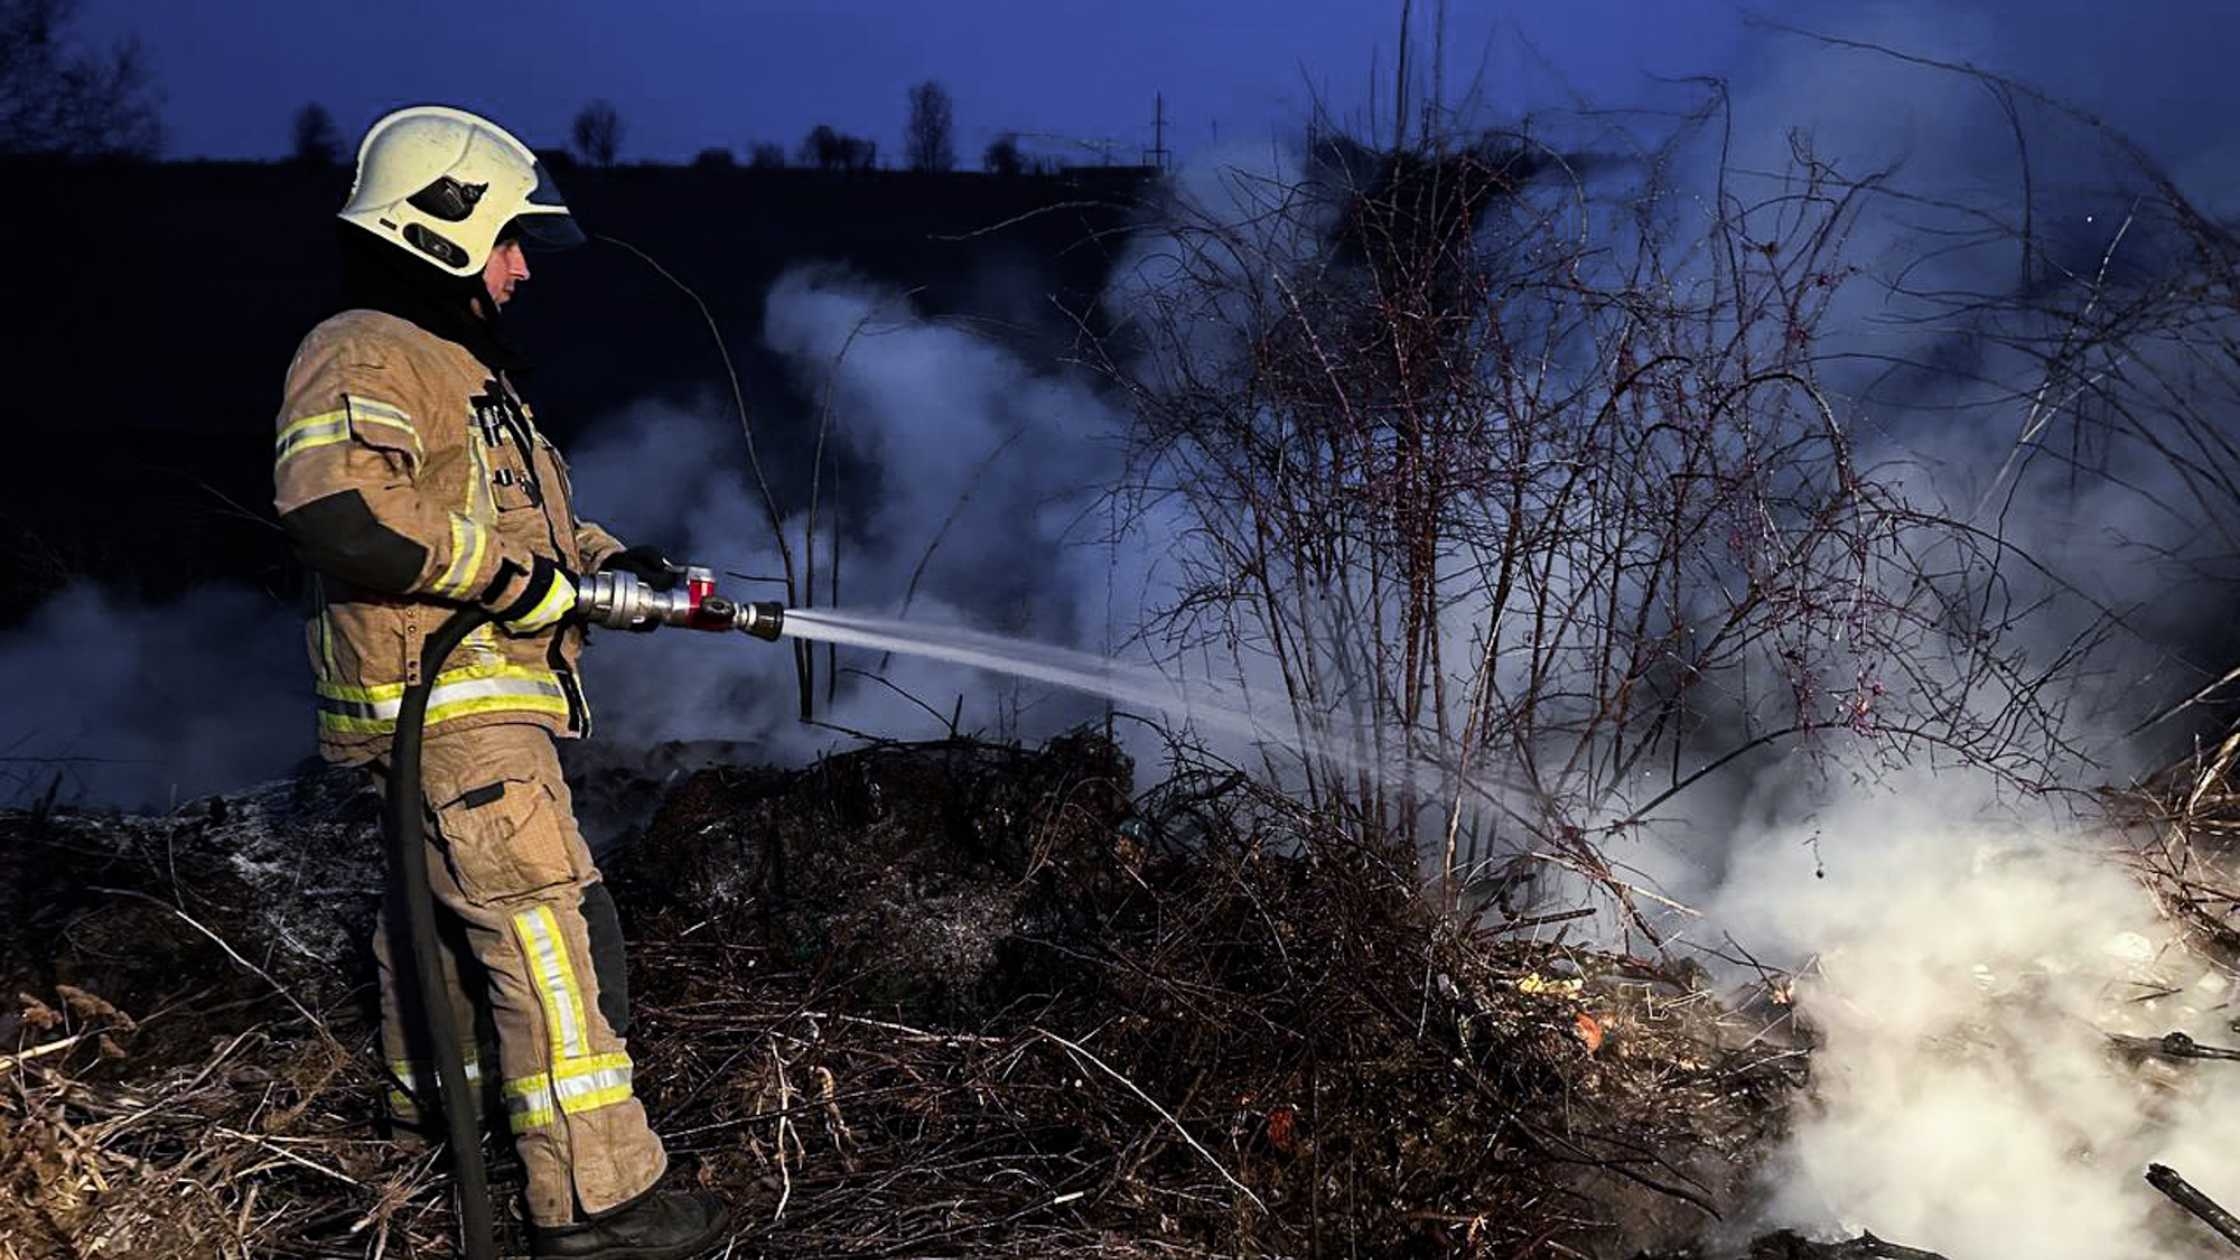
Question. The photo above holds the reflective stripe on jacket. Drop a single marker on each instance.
(412, 480)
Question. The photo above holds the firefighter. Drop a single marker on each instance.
(412, 479)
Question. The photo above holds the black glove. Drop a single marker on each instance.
(647, 564)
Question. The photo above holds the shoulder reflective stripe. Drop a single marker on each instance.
(375, 409)
(374, 412)
(467, 544)
(547, 951)
(330, 427)
(324, 429)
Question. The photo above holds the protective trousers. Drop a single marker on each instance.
(519, 894)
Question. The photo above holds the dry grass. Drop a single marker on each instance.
(954, 1000)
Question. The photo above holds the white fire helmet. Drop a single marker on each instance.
(444, 185)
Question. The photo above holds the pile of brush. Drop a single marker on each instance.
(958, 998)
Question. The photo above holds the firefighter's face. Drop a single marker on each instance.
(507, 267)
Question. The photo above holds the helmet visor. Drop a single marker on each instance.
(544, 222)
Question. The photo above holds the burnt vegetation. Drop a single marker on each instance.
(957, 997)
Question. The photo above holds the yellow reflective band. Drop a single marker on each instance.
(520, 702)
(311, 432)
(378, 414)
(484, 687)
(364, 695)
(578, 1085)
(375, 409)
(479, 504)
(326, 643)
(547, 951)
(555, 605)
(406, 1073)
(466, 558)
(524, 1114)
(350, 724)
(595, 1065)
(578, 1097)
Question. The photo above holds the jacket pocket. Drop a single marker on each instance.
(505, 840)
(511, 488)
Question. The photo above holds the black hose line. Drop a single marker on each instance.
(408, 856)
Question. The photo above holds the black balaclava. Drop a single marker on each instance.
(379, 276)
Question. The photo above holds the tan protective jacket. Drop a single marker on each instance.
(413, 479)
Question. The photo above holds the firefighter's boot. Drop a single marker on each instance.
(664, 1225)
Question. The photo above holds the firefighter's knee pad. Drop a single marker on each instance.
(604, 926)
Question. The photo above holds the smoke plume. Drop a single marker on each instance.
(1965, 965)
(116, 703)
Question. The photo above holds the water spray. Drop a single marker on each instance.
(1208, 706)
(1021, 658)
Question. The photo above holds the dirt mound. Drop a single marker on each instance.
(956, 998)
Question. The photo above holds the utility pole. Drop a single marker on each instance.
(1159, 131)
(1400, 84)
(1438, 108)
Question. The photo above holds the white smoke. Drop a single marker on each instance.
(1967, 955)
(118, 703)
(1966, 961)
(980, 509)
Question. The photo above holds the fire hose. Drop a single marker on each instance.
(614, 600)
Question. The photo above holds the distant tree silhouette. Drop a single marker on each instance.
(829, 149)
(821, 148)
(1001, 157)
(57, 99)
(716, 158)
(928, 135)
(768, 157)
(315, 141)
(598, 133)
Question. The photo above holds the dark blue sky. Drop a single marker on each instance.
(690, 73)
(687, 74)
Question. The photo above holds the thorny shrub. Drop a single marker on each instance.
(1526, 502)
